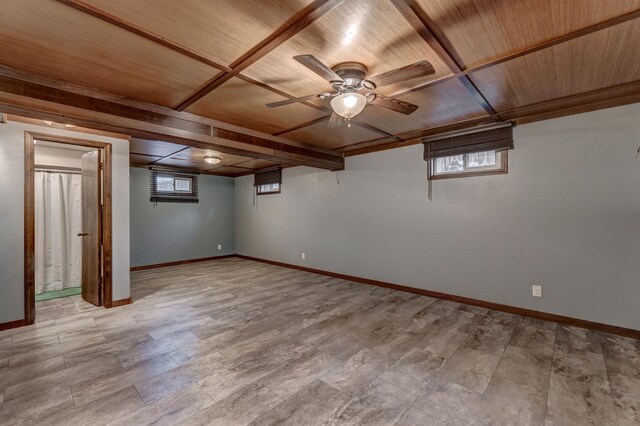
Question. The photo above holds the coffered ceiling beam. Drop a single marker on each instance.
(359, 122)
(606, 97)
(128, 26)
(411, 138)
(35, 100)
(290, 28)
(114, 20)
(303, 125)
(458, 75)
(425, 27)
(161, 110)
(526, 51)
(279, 92)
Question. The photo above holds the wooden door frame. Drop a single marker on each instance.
(29, 217)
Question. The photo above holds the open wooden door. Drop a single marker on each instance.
(91, 228)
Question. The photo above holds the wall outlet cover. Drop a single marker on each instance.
(536, 290)
(219, 246)
(303, 256)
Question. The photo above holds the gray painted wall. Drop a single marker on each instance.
(11, 223)
(12, 215)
(567, 217)
(173, 231)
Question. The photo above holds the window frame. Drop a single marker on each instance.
(174, 196)
(503, 169)
(259, 192)
(175, 177)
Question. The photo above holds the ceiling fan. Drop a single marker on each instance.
(348, 79)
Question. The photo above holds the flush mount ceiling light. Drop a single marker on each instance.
(212, 159)
(347, 79)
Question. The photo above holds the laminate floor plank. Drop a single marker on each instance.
(236, 342)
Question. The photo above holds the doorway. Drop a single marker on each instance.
(67, 225)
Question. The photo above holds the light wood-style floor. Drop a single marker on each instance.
(235, 342)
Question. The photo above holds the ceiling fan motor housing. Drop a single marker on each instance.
(353, 75)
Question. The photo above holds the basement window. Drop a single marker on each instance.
(269, 188)
(473, 152)
(173, 187)
(472, 164)
(268, 181)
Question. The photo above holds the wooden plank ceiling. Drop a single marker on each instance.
(190, 79)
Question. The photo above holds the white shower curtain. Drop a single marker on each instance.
(58, 220)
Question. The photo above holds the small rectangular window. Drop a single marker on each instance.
(472, 164)
(182, 184)
(268, 181)
(173, 187)
(469, 152)
(164, 183)
(269, 188)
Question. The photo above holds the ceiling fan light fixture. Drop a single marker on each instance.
(211, 159)
(349, 104)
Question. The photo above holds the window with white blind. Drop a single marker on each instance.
(472, 164)
(269, 188)
(173, 187)
(475, 152)
(268, 181)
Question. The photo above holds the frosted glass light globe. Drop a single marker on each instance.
(348, 105)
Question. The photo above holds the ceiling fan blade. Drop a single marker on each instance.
(394, 104)
(292, 101)
(315, 65)
(335, 120)
(419, 69)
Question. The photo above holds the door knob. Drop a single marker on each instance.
(82, 234)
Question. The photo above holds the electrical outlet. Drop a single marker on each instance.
(303, 256)
(536, 290)
(219, 246)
